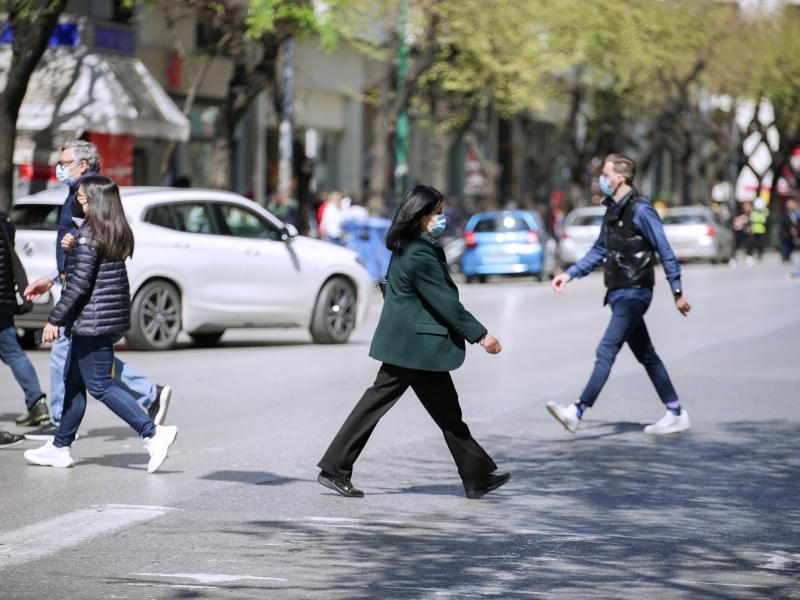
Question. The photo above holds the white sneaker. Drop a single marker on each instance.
(158, 445)
(566, 415)
(50, 456)
(669, 423)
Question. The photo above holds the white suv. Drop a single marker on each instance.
(206, 261)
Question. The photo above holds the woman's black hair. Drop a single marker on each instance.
(417, 203)
(106, 219)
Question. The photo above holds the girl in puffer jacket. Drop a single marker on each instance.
(95, 311)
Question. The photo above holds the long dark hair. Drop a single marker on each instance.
(106, 219)
(417, 203)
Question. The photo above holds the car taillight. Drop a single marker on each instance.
(710, 231)
(533, 237)
(469, 239)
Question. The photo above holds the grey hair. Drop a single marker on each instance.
(82, 150)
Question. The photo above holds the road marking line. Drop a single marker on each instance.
(208, 577)
(738, 585)
(48, 537)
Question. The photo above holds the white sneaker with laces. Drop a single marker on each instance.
(566, 415)
(50, 456)
(158, 445)
(669, 423)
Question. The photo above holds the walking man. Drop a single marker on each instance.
(80, 159)
(630, 236)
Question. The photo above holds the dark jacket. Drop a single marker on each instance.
(8, 295)
(65, 223)
(96, 297)
(423, 325)
(630, 258)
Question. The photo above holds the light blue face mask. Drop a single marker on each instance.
(62, 174)
(437, 226)
(605, 187)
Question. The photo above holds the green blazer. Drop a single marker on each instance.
(423, 324)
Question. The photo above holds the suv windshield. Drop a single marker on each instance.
(36, 216)
(502, 223)
(685, 219)
(585, 220)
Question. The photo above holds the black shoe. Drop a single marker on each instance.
(45, 432)
(36, 415)
(339, 484)
(158, 410)
(9, 439)
(492, 482)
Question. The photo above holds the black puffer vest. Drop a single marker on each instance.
(630, 257)
(96, 298)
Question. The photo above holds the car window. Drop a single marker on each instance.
(685, 219)
(36, 216)
(501, 224)
(242, 222)
(193, 218)
(585, 220)
(162, 216)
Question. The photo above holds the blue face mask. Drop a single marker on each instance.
(605, 187)
(437, 226)
(62, 174)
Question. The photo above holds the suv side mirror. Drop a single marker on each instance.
(288, 231)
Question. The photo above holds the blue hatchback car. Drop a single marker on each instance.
(507, 242)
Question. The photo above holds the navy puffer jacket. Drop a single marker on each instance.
(96, 298)
(8, 295)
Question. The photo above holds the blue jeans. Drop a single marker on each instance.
(12, 354)
(125, 376)
(627, 325)
(88, 368)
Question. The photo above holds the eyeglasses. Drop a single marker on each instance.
(64, 163)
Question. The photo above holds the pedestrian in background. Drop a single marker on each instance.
(758, 228)
(741, 232)
(790, 230)
(419, 339)
(11, 352)
(95, 310)
(630, 236)
(80, 159)
(330, 225)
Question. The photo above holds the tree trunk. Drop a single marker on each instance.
(379, 166)
(442, 145)
(491, 168)
(31, 34)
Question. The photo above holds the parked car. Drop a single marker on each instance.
(697, 232)
(206, 261)
(579, 233)
(506, 242)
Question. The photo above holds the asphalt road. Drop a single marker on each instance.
(606, 513)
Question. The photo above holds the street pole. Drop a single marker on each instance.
(285, 128)
(401, 131)
(260, 154)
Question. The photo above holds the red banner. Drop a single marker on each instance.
(116, 156)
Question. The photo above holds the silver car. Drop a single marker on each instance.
(579, 233)
(697, 233)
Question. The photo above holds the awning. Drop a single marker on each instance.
(75, 91)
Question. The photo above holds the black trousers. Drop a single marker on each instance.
(438, 395)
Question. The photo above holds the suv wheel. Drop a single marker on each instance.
(334, 315)
(155, 317)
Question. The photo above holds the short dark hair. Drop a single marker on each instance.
(624, 165)
(417, 203)
(106, 219)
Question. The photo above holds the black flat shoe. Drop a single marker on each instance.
(340, 485)
(490, 483)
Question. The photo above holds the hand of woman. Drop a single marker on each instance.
(67, 242)
(491, 344)
(50, 333)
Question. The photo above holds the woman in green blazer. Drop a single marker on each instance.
(420, 338)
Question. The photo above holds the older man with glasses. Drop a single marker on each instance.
(80, 159)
